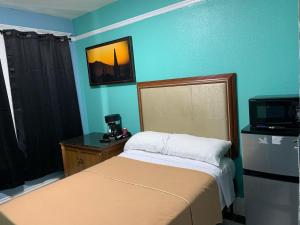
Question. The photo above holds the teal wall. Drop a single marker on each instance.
(255, 39)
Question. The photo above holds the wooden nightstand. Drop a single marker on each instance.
(85, 151)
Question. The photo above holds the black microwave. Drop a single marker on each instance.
(274, 112)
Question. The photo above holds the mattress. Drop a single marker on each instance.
(121, 191)
(224, 174)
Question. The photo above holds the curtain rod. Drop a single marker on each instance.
(31, 29)
(57, 36)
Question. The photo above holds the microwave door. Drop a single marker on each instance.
(267, 114)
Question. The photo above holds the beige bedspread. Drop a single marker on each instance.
(120, 191)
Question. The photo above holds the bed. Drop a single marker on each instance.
(149, 188)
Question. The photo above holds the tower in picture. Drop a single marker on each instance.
(116, 65)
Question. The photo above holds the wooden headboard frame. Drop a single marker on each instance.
(231, 99)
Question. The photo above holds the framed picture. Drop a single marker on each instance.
(111, 62)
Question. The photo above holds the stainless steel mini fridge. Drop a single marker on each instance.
(271, 177)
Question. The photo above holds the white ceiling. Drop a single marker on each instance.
(62, 8)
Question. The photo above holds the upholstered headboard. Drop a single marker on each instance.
(202, 106)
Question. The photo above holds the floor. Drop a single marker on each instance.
(8, 194)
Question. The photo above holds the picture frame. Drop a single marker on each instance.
(111, 62)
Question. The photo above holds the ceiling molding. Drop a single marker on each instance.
(136, 19)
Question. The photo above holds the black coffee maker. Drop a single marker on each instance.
(114, 126)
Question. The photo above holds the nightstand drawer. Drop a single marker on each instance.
(83, 152)
(114, 151)
(71, 161)
(76, 159)
(89, 158)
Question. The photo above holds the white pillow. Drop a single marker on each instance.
(148, 141)
(208, 150)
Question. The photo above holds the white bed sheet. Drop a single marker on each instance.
(223, 174)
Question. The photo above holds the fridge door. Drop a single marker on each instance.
(270, 154)
(270, 202)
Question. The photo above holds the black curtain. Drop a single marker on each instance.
(44, 97)
(11, 158)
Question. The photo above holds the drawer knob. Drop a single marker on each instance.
(79, 161)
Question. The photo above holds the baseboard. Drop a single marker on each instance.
(3, 200)
(48, 180)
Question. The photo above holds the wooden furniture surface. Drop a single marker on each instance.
(85, 151)
(202, 106)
